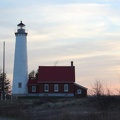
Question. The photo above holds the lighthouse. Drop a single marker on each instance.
(20, 73)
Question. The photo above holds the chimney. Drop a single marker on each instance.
(71, 63)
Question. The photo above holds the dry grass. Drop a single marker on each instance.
(59, 109)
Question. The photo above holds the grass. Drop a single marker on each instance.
(59, 109)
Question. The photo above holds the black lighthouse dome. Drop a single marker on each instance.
(21, 25)
(21, 29)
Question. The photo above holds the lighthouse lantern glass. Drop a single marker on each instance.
(21, 27)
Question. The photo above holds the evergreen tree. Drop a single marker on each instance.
(33, 75)
(7, 85)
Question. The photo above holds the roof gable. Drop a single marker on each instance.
(56, 74)
(80, 86)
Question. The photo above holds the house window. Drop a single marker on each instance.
(65, 87)
(19, 85)
(56, 88)
(79, 91)
(33, 88)
(46, 87)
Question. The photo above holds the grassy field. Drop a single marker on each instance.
(88, 108)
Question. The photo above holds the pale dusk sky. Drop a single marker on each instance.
(86, 32)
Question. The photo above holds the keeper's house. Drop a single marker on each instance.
(58, 81)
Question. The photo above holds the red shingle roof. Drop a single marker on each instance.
(58, 74)
(32, 82)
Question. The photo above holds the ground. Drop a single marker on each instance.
(88, 108)
(3, 118)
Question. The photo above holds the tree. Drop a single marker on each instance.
(7, 85)
(103, 96)
(33, 75)
(98, 89)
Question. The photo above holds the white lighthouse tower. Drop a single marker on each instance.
(20, 75)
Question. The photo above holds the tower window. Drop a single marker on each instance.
(19, 85)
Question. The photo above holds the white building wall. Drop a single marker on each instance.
(20, 74)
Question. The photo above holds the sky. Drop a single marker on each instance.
(86, 32)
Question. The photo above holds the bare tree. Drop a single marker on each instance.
(103, 96)
(98, 89)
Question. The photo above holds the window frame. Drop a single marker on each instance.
(34, 88)
(56, 86)
(79, 91)
(66, 88)
(46, 87)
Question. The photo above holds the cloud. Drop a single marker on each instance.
(74, 21)
(86, 32)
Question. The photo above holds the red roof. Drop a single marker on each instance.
(58, 74)
(32, 81)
